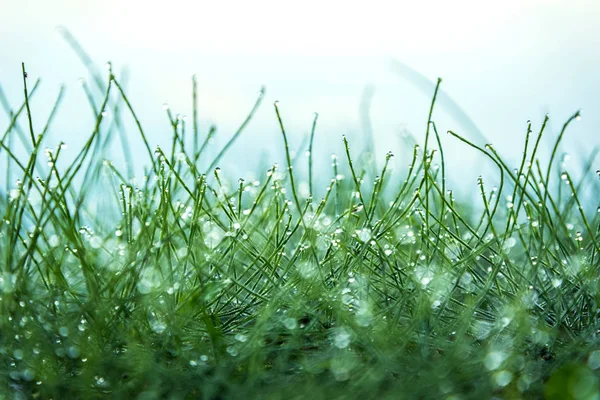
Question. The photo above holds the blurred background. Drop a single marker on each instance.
(364, 67)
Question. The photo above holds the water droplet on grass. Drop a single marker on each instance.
(290, 323)
(364, 234)
(18, 354)
(556, 282)
(13, 195)
(493, 360)
(73, 352)
(232, 351)
(510, 243)
(503, 378)
(28, 374)
(100, 381)
(156, 324)
(594, 360)
(341, 339)
(358, 208)
(241, 337)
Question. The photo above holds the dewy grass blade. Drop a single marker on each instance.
(311, 155)
(188, 286)
(27, 105)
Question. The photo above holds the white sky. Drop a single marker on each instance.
(310, 26)
(503, 62)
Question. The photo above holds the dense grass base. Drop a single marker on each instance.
(186, 285)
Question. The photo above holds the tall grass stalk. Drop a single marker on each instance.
(186, 284)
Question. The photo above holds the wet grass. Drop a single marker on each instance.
(186, 284)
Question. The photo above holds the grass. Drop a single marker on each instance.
(186, 284)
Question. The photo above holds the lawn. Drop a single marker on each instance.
(355, 282)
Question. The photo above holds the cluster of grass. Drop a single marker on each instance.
(185, 284)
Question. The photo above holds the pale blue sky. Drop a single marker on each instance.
(503, 62)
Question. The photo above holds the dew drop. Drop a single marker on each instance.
(28, 374)
(556, 282)
(241, 337)
(290, 323)
(364, 234)
(510, 243)
(341, 339)
(594, 360)
(73, 352)
(358, 208)
(18, 354)
(232, 351)
(503, 378)
(493, 360)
